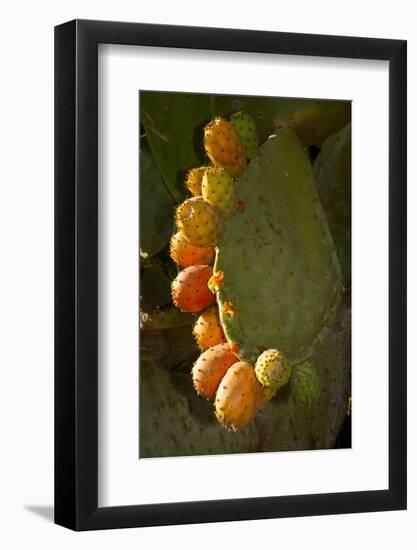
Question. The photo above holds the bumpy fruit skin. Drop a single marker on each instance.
(266, 394)
(189, 289)
(305, 384)
(237, 397)
(273, 369)
(218, 190)
(193, 180)
(185, 254)
(208, 331)
(200, 222)
(246, 128)
(210, 368)
(224, 146)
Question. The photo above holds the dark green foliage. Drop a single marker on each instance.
(156, 206)
(174, 125)
(155, 288)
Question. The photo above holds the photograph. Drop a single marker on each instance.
(245, 274)
(209, 257)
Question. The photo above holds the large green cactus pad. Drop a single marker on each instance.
(332, 170)
(174, 421)
(281, 271)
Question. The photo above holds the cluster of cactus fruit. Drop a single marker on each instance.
(237, 387)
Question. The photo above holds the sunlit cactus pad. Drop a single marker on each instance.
(282, 280)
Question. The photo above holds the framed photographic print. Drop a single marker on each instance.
(230, 275)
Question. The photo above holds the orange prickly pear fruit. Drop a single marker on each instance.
(237, 398)
(224, 146)
(185, 254)
(211, 367)
(208, 331)
(189, 289)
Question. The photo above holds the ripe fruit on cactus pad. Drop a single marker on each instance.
(218, 190)
(281, 275)
(211, 367)
(193, 180)
(305, 384)
(208, 331)
(246, 128)
(201, 223)
(273, 369)
(224, 146)
(189, 289)
(237, 398)
(185, 254)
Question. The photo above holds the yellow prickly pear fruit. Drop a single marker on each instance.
(273, 369)
(193, 180)
(200, 222)
(218, 190)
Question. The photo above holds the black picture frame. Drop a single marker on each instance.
(76, 270)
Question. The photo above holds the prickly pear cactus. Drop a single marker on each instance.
(175, 421)
(276, 278)
(284, 425)
(281, 280)
(332, 169)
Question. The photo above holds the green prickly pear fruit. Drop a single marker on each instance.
(207, 330)
(210, 368)
(189, 289)
(237, 397)
(305, 384)
(246, 128)
(224, 146)
(273, 369)
(200, 222)
(218, 190)
(193, 180)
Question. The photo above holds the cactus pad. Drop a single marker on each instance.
(281, 280)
